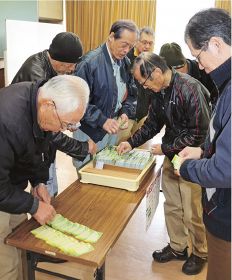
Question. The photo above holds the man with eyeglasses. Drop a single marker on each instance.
(174, 57)
(112, 88)
(61, 58)
(29, 113)
(208, 36)
(179, 103)
(145, 43)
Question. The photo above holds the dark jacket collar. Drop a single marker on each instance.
(169, 88)
(221, 74)
(106, 53)
(37, 131)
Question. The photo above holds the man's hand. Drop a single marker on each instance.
(123, 148)
(191, 153)
(111, 126)
(123, 121)
(156, 149)
(188, 153)
(45, 213)
(41, 192)
(92, 147)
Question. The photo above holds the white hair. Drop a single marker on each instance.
(68, 92)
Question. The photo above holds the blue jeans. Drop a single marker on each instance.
(108, 139)
(52, 184)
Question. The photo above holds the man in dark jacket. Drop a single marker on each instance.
(180, 103)
(28, 112)
(61, 58)
(145, 43)
(174, 57)
(210, 165)
(112, 88)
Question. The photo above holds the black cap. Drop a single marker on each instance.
(173, 55)
(66, 47)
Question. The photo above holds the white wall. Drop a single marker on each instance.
(24, 38)
(171, 18)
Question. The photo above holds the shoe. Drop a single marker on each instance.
(45, 258)
(193, 265)
(167, 254)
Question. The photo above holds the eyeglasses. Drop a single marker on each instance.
(148, 77)
(66, 126)
(203, 48)
(149, 43)
(178, 66)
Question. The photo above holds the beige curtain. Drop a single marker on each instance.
(91, 20)
(224, 4)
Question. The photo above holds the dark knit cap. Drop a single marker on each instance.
(173, 55)
(66, 47)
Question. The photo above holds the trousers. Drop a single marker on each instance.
(108, 140)
(12, 260)
(219, 258)
(183, 212)
(133, 126)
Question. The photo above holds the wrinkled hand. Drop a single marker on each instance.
(45, 213)
(41, 192)
(123, 121)
(92, 147)
(123, 148)
(156, 149)
(111, 126)
(191, 153)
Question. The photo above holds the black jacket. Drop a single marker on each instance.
(184, 108)
(96, 69)
(23, 147)
(204, 78)
(38, 67)
(144, 96)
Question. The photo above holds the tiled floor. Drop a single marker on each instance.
(130, 258)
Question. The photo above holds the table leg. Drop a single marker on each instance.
(100, 273)
(30, 266)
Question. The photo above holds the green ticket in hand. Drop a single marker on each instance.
(176, 161)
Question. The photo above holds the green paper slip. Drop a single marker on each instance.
(176, 162)
(77, 230)
(66, 244)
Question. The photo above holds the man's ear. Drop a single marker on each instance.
(111, 36)
(156, 73)
(215, 44)
(47, 104)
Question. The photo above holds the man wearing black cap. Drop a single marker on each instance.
(174, 57)
(61, 58)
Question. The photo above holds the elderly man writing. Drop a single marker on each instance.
(29, 112)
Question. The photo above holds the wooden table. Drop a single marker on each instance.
(101, 208)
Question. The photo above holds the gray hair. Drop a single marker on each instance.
(123, 24)
(206, 24)
(147, 63)
(68, 92)
(147, 30)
